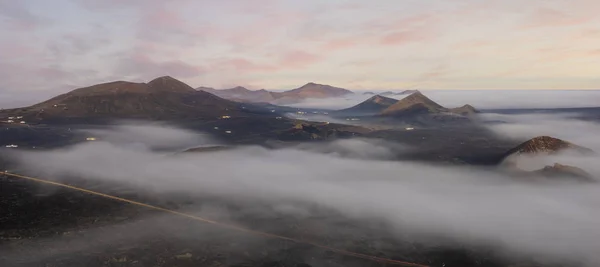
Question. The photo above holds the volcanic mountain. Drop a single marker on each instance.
(465, 110)
(546, 145)
(242, 94)
(417, 109)
(373, 105)
(314, 90)
(414, 103)
(408, 92)
(309, 90)
(558, 171)
(161, 98)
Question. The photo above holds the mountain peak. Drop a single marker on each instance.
(205, 89)
(547, 145)
(161, 98)
(166, 77)
(559, 171)
(408, 92)
(415, 102)
(465, 110)
(311, 84)
(170, 84)
(239, 89)
(381, 99)
(373, 105)
(315, 90)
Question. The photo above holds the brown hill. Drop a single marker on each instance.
(161, 98)
(314, 90)
(418, 104)
(414, 103)
(546, 145)
(309, 90)
(373, 105)
(465, 110)
(558, 171)
(242, 94)
(408, 92)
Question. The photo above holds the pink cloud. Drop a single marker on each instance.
(472, 44)
(404, 30)
(241, 65)
(298, 59)
(363, 63)
(436, 72)
(351, 6)
(547, 17)
(139, 64)
(595, 52)
(414, 21)
(403, 37)
(260, 29)
(337, 44)
(283, 61)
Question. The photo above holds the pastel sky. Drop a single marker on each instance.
(54, 46)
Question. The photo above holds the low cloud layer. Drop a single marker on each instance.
(153, 136)
(563, 126)
(557, 220)
(481, 99)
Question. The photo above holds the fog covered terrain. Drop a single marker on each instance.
(557, 220)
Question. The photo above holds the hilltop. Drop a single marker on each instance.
(314, 90)
(546, 145)
(417, 103)
(414, 103)
(161, 98)
(309, 90)
(373, 105)
(242, 94)
(408, 92)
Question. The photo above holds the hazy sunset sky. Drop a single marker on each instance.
(53, 46)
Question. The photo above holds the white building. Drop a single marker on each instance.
(228, 132)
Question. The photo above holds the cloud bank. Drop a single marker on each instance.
(468, 205)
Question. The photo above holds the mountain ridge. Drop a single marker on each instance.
(160, 98)
(308, 90)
